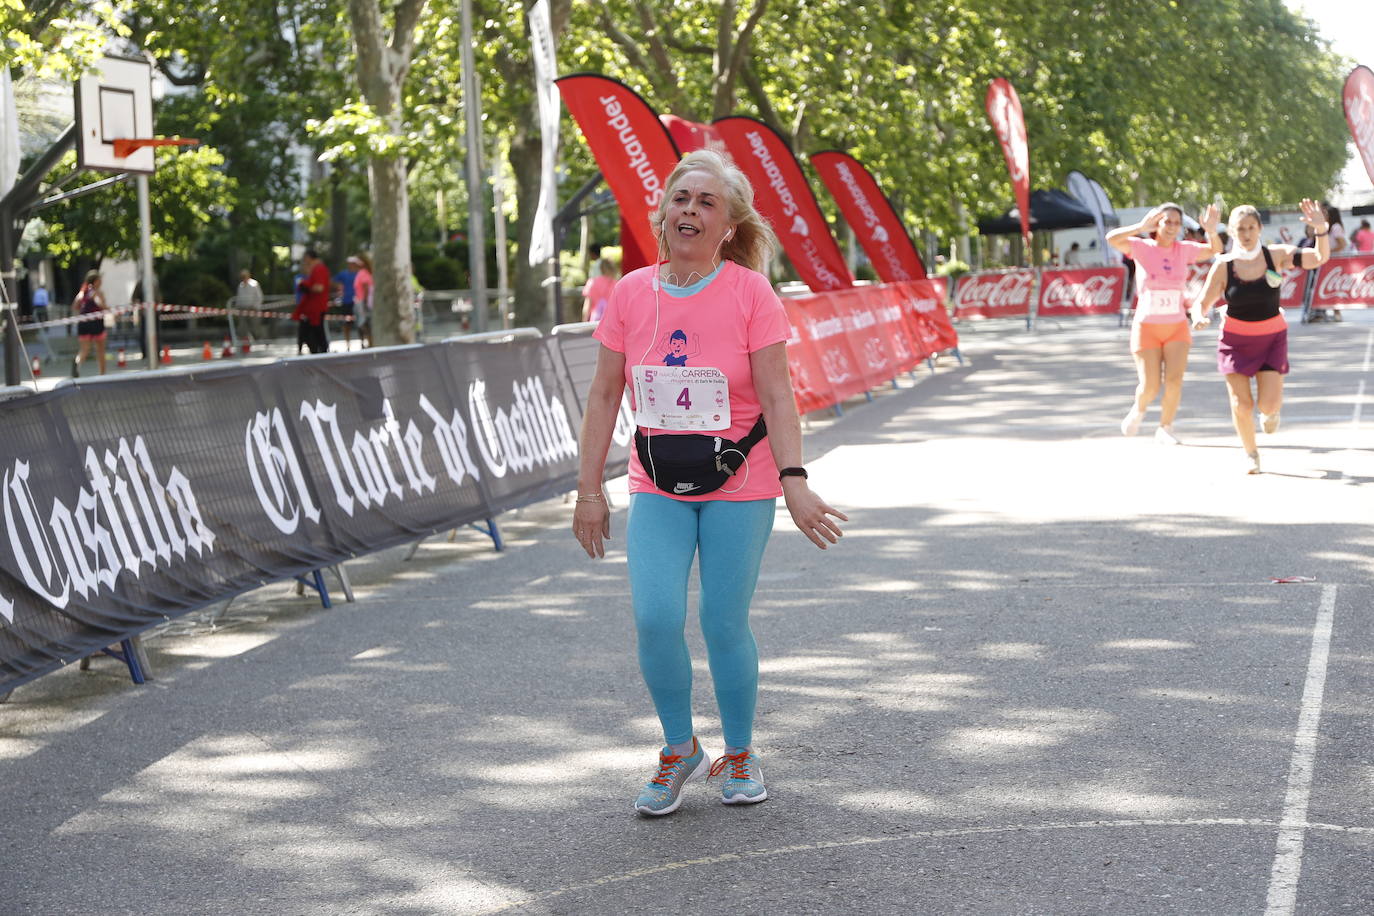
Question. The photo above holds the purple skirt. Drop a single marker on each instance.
(1246, 354)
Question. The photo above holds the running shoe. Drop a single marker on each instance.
(1165, 436)
(1131, 424)
(1254, 462)
(744, 781)
(1269, 422)
(663, 793)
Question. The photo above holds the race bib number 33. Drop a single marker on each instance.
(687, 398)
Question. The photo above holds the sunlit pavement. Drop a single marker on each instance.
(1046, 671)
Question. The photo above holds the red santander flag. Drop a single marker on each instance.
(784, 199)
(1359, 113)
(866, 208)
(1004, 111)
(690, 135)
(632, 148)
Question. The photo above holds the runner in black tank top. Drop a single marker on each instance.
(1254, 340)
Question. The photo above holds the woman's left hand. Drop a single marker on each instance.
(811, 514)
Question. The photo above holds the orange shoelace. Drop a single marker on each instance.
(665, 770)
(739, 765)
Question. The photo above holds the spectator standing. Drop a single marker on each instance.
(1074, 256)
(343, 298)
(249, 293)
(90, 331)
(40, 301)
(313, 303)
(1363, 239)
(362, 298)
(597, 292)
(1340, 246)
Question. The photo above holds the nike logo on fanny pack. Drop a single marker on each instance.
(684, 487)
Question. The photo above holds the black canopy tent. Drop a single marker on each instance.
(1050, 209)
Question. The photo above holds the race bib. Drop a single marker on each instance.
(1163, 301)
(683, 398)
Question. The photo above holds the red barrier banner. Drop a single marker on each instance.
(1004, 111)
(809, 382)
(1358, 98)
(869, 335)
(898, 321)
(1082, 291)
(868, 211)
(994, 294)
(784, 199)
(927, 318)
(1344, 283)
(815, 317)
(1197, 279)
(1294, 285)
(631, 147)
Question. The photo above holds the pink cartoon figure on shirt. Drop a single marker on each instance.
(673, 348)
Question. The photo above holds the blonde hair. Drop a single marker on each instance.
(1239, 213)
(752, 241)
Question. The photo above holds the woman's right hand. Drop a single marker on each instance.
(591, 525)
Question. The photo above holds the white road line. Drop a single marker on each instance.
(1368, 351)
(1283, 877)
(1359, 403)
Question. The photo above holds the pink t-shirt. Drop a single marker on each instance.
(598, 290)
(1161, 274)
(719, 327)
(1363, 240)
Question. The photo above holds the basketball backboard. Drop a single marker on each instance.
(115, 102)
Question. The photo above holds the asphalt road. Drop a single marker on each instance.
(1046, 671)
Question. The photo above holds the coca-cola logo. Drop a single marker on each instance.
(1355, 285)
(995, 290)
(1091, 292)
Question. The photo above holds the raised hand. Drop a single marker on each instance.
(1210, 218)
(1313, 215)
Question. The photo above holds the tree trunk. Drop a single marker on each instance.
(392, 314)
(531, 304)
(382, 68)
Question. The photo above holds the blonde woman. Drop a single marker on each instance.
(733, 384)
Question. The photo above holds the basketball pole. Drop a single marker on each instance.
(145, 248)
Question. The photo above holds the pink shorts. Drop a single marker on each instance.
(1151, 335)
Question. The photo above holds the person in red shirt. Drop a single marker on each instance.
(314, 302)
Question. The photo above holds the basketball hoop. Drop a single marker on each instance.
(124, 148)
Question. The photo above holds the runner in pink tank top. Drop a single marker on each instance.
(1159, 334)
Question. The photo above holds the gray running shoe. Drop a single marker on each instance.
(663, 793)
(744, 779)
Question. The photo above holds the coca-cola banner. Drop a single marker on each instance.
(1294, 286)
(1358, 98)
(1345, 283)
(1004, 111)
(631, 147)
(994, 294)
(1081, 291)
(131, 501)
(783, 197)
(870, 214)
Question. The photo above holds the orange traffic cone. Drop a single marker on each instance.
(228, 350)
(36, 367)
(247, 344)
(166, 355)
(122, 361)
(206, 352)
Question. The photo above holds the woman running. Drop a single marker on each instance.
(1254, 338)
(733, 383)
(1159, 335)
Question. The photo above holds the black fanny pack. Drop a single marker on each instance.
(692, 464)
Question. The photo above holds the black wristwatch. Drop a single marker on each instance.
(792, 472)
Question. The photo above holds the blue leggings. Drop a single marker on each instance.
(662, 535)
